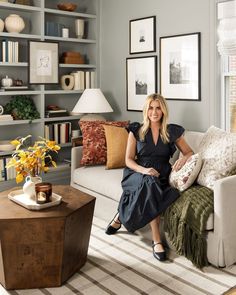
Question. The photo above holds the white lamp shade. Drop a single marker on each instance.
(92, 101)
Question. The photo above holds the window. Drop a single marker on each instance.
(229, 93)
(227, 48)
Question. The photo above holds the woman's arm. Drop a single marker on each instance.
(185, 150)
(130, 158)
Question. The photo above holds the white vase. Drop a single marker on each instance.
(14, 23)
(29, 186)
(1, 25)
(79, 28)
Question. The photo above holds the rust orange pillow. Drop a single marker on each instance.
(94, 141)
(116, 140)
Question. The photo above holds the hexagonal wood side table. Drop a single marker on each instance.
(40, 249)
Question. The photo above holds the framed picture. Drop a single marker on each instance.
(43, 62)
(142, 35)
(140, 80)
(180, 67)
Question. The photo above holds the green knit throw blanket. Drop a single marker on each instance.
(185, 222)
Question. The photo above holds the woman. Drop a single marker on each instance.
(146, 191)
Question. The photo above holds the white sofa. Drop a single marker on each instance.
(221, 226)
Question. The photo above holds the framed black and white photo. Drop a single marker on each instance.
(43, 62)
(142, 35)
(140, 80)
(180, 67)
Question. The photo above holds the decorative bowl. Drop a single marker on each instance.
(67, 6)
(6, 146)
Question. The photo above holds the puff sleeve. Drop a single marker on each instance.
(134, 128)
(175, 131)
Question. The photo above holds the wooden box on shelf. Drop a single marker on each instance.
(77, 141)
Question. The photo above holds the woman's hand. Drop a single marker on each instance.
(180, 163)
(150, 171)
(185, 150)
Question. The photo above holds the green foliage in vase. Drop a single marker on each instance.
(22, 107)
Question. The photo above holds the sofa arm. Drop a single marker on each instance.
(224, 207)
(76, 156)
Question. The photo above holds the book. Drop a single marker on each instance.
(81, 80)
(6, 118)
(87, 79)
(92, 79)
(52, 114)
(13, 87)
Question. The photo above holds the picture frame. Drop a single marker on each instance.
(141, 80)
(180, 67)
(142, 35)
(43, 62)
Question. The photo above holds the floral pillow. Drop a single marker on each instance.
(94, 141)
(218, 151)
(185, 177)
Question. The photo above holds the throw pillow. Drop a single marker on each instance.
(116, 140)
(94, 141)
(218, 151)
(185, 177)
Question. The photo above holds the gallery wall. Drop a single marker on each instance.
(172, 18)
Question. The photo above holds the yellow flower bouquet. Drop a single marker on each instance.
(32, 160)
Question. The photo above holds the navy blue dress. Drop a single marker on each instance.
(144, 197)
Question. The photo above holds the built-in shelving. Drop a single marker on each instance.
(36, 15)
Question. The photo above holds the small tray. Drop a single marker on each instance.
(20, 198)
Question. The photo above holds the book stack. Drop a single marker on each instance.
(53, 29)
(56, 113)
(6, 118)
(6, 174)
(60, 132)
(84, 79)
(72, 57)
(10, 51)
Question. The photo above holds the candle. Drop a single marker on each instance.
(43, 192)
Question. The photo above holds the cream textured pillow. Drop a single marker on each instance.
(185, 177)
(116, 140)
(218, 151)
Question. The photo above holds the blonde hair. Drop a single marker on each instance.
(146, 122)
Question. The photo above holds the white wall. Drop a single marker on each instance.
(172, 18)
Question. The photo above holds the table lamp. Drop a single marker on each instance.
(92, 102)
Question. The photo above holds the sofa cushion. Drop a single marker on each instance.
(185, 177)
(218, 150)
(94, 142)
(100, 180)
(116, 140)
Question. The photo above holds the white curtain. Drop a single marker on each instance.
(227, 28)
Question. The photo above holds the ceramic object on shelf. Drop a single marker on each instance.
(6, 82)
(1, 25)
(1, 110)
(79, 28)
(67, 6)
(14, 23)
(6, 146)
(29, 186)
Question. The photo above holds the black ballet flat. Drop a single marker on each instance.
(110, 230)
(161, 256)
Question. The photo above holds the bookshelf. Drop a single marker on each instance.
(35, 17)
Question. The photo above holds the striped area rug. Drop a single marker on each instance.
(123, 264)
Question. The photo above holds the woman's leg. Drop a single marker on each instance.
(156, 237)
(116, 221)
(114, 225)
